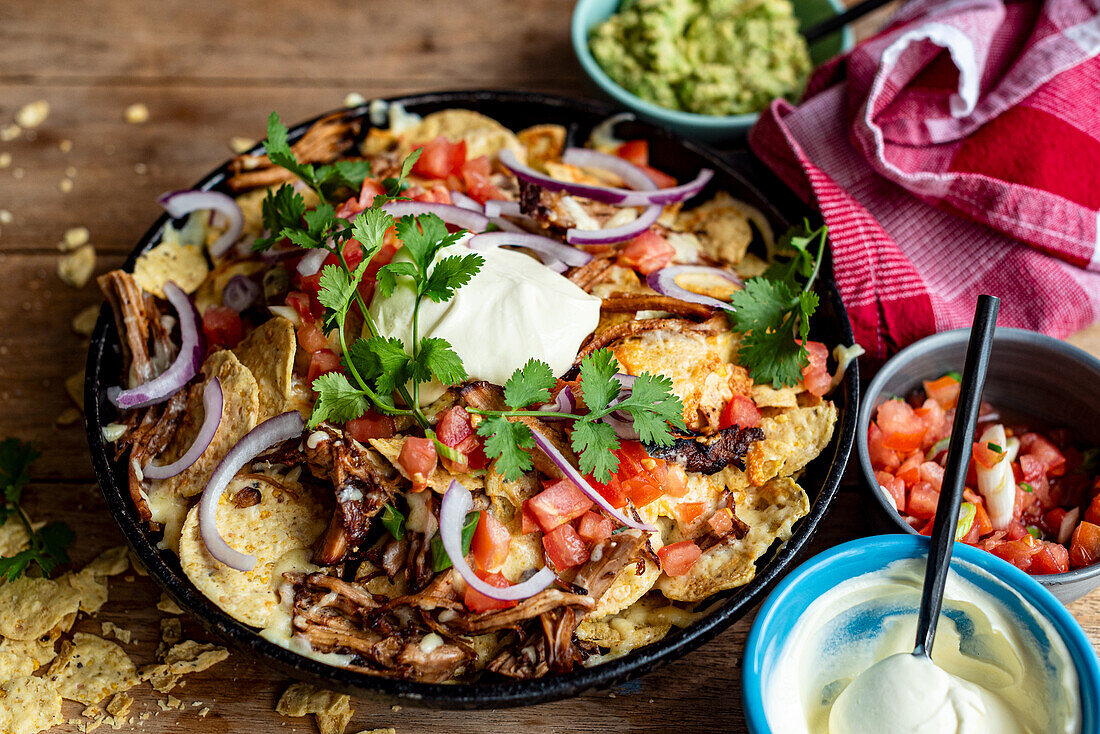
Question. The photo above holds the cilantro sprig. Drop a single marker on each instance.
(773, 311)
(47, 545)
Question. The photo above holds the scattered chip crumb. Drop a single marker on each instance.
(65, 185)
(141, 169)
(389, 730)
(204, 711)
(74, 385)
(138, 568)
(73, 238)
(6, 217)
(190, 656)
(300, 699)
(75, 269)
(240, 144)
(119, 705)
(334, 723)
(65, 145)
(395, 708)
(32, 114)
(136, 114)
(354, 99)
(160, 677)
(18, 173)
(71, 171)
(10, 132)
(84, 322)
(5, 159)
(171, 632)
(174, 703)
(168, 605)
(111, 629)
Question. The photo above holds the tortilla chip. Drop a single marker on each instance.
(288, 521)
(190, 656)
(184, 265)
(171, 630)
(28, 705)
(91, 668)
(769, 511)
(766, 396)
(160, 677)
(792, 439)
(301, 699)
(440, 478)
(31, 608)
(627, 588)
(110, 562)
(13, 536)
(334, 723)
(122, 635)
(625, 632)
(92, 590)
(19, 658)
(543, 143)
(120, 704)
(483, 135)
(722, 226)
(240, 413)
(168, 605)
(268, 353)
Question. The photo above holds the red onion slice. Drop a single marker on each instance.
(178, 203)
(457, 502)
(664, 282)
(505, 226)
(564, 402)
(631, 175)
(573, 475)
(269, 433)
(312, 261)
(620, 420)
(607, 194)
(462, 201)
(240, 292)
(613, 235)
(180, 372)
(501, 207)
(543, 245)
(449, 213)
(212, 418)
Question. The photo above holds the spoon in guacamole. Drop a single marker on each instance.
(908, 692)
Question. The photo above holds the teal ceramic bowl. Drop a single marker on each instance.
(780, 613)
(706, 128)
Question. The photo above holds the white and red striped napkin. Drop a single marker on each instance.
(955, 153)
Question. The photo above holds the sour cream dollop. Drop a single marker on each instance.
(848, 668)
(513, 310)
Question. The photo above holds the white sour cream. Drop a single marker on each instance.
(513, 310)
(994, 673)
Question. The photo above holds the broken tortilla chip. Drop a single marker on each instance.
(290, 521)
(268, 352)
(22, 657)
(31, 608)
(91, 668)
(28, 705)
(184, 265)
(301, 699)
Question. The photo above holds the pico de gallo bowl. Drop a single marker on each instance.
(1032, 481)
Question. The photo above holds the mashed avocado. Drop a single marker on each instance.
(714, 57)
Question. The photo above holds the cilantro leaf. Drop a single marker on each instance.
(506, 442)
(594, 442)
(393, 362)
(765, 311)
(281, 154)
(435, 358)
(342, 174)
(337, 400)
(394, 186)
(424, 236)
(321, 221)
(530, 384)
(653, 406)
(47, 545)
(337, 291)
(16, 458)
(803, 262)
(369, 228)
(598, 385)
(388, 274)
(282, 209)
(449, 274)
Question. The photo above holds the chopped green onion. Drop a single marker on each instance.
(967, 513)
(995, 447)
(1026, 487)
(939, 447)
(440, 560)
(393, 521)
(448, 452)
(1034, 532)
(954, 376)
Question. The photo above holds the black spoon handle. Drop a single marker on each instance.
(954, 473)
(837, 22)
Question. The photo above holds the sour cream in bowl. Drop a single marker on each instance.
(1009, 657)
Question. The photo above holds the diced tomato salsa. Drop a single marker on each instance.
(1055, 520)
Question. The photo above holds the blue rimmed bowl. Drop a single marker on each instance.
(780, 614)
(706, 128)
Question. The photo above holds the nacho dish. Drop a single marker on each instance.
(432, 399)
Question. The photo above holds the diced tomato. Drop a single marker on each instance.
(611, 491)
(646, 253)
(678, 558)
(418, 458)
(491, 542)
(1051, 558)
(475, 174)
(594, 527)
(902, 430)
(675, 484)
(932, 473)
(437, 194)
(1045, 451)
(721, 522)
(454, 426)
(439, 158)
(1016, 531)
(642, 489)
(311, 338)
(370, 276)
(527, 524)
(881, 457)
(565, 547)
(909, 471)
(740, 411)
(944, 391)
(370, 189)
(987, 454)
(972, 535)
(922, 500)
(1017, 552)
(662, 179)
(1084, 546)
(371, 425)
(322, 362)
(475, 601)
(635, 151)
(934, 418)
(1092, 513)
(894, 486)
(815, 375)
(222, 325)
(559, 503)
(689, 512)
(640, 476)
(300, 303)
(982, 521)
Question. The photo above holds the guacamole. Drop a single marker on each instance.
(714, 57)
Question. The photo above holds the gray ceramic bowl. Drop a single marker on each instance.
(1028, 372)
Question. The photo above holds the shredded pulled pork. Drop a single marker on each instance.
(710, 454)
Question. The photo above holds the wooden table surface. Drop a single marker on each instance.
(209, 70)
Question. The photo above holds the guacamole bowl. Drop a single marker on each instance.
(706, 128)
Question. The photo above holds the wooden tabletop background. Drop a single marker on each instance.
(208, 71)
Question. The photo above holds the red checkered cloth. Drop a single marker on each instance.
(955, 153)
